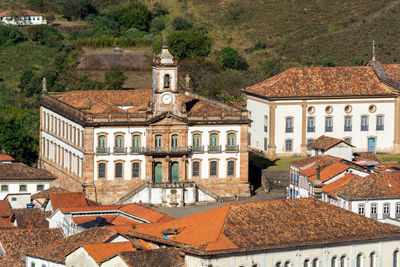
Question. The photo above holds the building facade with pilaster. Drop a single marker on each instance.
(359, 104)
(155, 146)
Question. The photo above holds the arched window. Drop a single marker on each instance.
(214, 143)
(119, 144)
(395, 257)
(358, 260)
(328, 124)
(278, 264)
(231, 142)
(287, 264)
(102, 170)
(196, 142)
(196, 168)
(135, 169)
(213, 168)
(288, 145)
(333, 261)
(347, 124)
(343, 261)
(166, 81)
(174, 141)
(158, 139)
(372, 259)
(4, 188)
(118, 170)
(101, 144)
(231, 168)
(136, 143)
(311, 124)
(306, 263)
(315, 263)
(364, 123)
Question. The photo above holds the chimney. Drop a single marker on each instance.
(318, 185)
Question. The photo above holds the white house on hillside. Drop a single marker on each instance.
(326, 145)
(359, 104)
(22, 17)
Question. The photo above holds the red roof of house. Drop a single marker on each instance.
(326, 173)
(100, 252)
(331, 188)
(325, 142)
(23, 12)
(4, 157)
(145, 213)
(67, 200)
(4, 208)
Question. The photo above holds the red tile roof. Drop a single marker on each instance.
(24, 12)
(92, 208)
(4, 208)
(20, 171)
(56, 251)
(100, 252)
(379, 185)
(6, 158)
(323, 82)
(85, 219)
(269, 224)
(331, 188)
(325, 142)
(46, 193)
(17, 242)
(6, 223)
(67, 200)
(326, 173)
(163, 257)
(31, 218)
(145, 213)
(322, 159)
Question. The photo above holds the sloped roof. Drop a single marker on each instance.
(331, 188)
(4, 157)
(4, 208)
(46, 193)
(102, 251)
(67, 199)
(163, 257)
(145, 213)
(31, 218)
(11, 262)
(23, 12)
(17, 242)
(272, 224)
(20, 171)
(5, 223)
(326, 172)
(379, 185)
(325, 142)
(321, 159)
(323, 82)
(56, 251)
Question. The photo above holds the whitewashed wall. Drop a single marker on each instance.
(258, 112)
(31, 187)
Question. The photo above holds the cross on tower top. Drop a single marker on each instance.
(373, 50)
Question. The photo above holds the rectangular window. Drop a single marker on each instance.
(288, 145)
(265, 144)
(289, 125)
(135, 169)
(310, 125)
(39, 187)
(364, 123)
(231, 168)
(213, 168)
(328, 124)
(249, 139)
(265, 123)
(361, 209)
(249, 118)
(22, 188)
(196, 168)
(309, 141)
(379, 123)
(386, 209)
(102, 170)
(397, 210)
(158, 141)
(373, 210)
(347, 124)
(4, 188)
(118, 170)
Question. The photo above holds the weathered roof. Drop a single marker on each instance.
(24, 12)
(102, 251)
(56, 251)
(163, 257)
(379, 185)
(31, 218)
(46, 193)
(325, 142)
(299, 82)
(145, 213)
(4, 208)
(20, 171)
(331, 188)
(12, 262)
(326, 172)
(269, 224)
(67, 200)
(4, 157)
(321, 159)
(17, 242)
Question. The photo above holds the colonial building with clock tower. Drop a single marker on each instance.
(160, 146)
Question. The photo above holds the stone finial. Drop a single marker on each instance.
(187, 81)
(318, 184)
(44, 85)
(373, 50)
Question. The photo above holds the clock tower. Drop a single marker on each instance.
(165, 84)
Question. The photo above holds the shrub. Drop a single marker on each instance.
(158, 24)
(132, 15)
(45, 35)
(114, 79)
(159, 10)
(181, 24)
(10, 35)
(231, 59)
(77, 9)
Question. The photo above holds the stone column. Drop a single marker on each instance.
(271, 153)
(303, 128)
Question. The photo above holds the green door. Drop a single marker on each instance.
(175, 172)
(158, 173)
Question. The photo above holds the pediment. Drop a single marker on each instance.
(168, 119)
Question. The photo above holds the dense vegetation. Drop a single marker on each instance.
(223, 45)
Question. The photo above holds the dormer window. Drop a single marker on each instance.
(166, 81)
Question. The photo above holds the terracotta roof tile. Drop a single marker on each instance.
(122, 220)
(46, 193)
(56, 251)
(5, 208)
(326, 173)
(331, 188)
(270, 225)
(145, 213)
(31, 218)
(325, 142)
(90, 208)
(86, 219)
(67, 200)
(163, 257)
(322, 159)
(6, 158)
(100, 252)
(20, 171)
(379, 185)
(321, 82)
(11, 262)
(6, 223)
(17, 242)
(24, 12)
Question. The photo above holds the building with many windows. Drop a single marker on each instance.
(359, 104)
(22, 17)
(154, 146)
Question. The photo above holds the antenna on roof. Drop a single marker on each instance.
(373, 50)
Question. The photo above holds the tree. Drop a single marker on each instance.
(77, 9)
(114, 79)
(10, 35)
(231, 59)
(181, 24)
(159, 10)
(132, 15)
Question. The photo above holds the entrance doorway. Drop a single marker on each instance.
(158, 173)
(175, 172)
(371, 144)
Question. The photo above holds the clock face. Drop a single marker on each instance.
(167, 99)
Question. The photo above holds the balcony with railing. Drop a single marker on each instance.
(379, 127)
(328, 129)
(214, 149)
(364, 127)
(103, 150)
(174, 151)
(120, 150)
(374, 216)
(347, 128)
(310, 129)
(232, 148)
(137, 150)
(198, 149)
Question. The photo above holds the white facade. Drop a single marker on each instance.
(22, 187)
(340, 150)
(319, 109)
(23, 20)
(380, 252)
